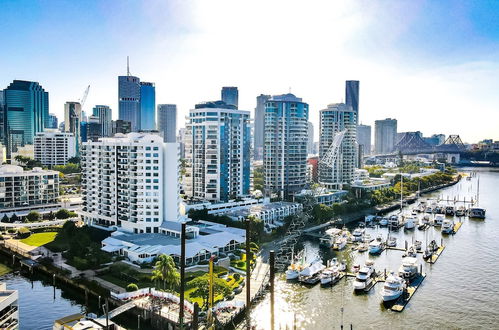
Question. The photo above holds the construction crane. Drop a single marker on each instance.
(84, 97)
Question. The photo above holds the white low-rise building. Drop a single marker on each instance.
(54, 148)
(9, 308)
(269, 213)
(323, 196)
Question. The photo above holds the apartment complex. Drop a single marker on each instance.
(130, 182)
(23, 190)
(285, 145)
(9, 308)
(217, 151)
(54, 148)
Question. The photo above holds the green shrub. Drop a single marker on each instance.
(237, 277)
(132, 287)
(80, 263)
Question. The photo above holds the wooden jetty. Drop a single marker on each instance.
(406, 297)
(436, 255)
(457, 226)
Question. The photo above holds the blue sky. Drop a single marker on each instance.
(433, 65)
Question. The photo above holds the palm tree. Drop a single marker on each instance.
(156, 277)
(166, 267)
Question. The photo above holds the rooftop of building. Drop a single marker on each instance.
(16, 170)
(214, 105)
(286, 98)
(120, 138)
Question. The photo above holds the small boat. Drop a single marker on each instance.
(429, 209)
(393, 287)
(411, 252)
(410, 222)
(383, 222)
(427, 254)
(447, 226)
(310, 274)
(393, 222)
(409, 268)
(363, 247)
(296, 266)
(379, 238)
(367, 238)
(329, 276)
(375, 247)
(477, 213)
(439, 218)
(333, 232)
(418, 245)
(363, 278)
(392, 241)
(433, 246)
(450, 210)
(461, 211)
(357, 234)
(340, 243)
(369, 218)
(355, 268)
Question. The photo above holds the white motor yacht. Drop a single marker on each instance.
(411, 252)
(363, 278)
(340, 243)
(375, 247)
(439, 218)
(329, 275)
(409, 268)
(310, 271)
(383, 222)
(367, 238)
(461, 211)
(410, 222)
(418, 245)
(450, 210)
(393, 287)
(447, 226)
(357, 234)
(392, 241)
(393, 222)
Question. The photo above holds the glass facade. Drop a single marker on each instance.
(129, 100)
(104, 113)
(147, 106)
(230, 95)
(167, 122)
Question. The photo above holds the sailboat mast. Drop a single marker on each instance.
(401, 189)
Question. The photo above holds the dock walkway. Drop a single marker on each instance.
(405, 298)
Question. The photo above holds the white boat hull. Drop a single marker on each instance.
(390, 296)
(291, 274)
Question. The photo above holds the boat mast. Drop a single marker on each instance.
(401, 189)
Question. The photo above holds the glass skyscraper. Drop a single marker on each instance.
(129, 100)
(53, 121)
(26, 112)
(352, 95)
(285, 145)
(104, 113)
(230, 95)
(167, 122)
(259, 125)
(147, 106)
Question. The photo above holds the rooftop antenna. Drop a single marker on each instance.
(290, 90)
(127, 66)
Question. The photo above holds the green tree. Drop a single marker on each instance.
(14, 218)
(169, 274)
(5, 218)
(62, 214)
(33, 216)
(23, 232)
(132, 287)
(50, 216)
(202, 287)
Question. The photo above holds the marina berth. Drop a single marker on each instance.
(393, 287)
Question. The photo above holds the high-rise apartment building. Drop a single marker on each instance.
(352, 95)
(129, 100)
(121, 126)
(285, 145)
(230, 95)
(259, 125)
(217, 152)
(310, 143)
(26, 112)
(24, 190)
(54, 148)
(181, 142)
(337, 145)
(104, 113)
(94, 129)
(364, 138)
(131, 182)
(147, 106)
(385, 134)
(73, 121)
(167, 122)
(53, 122)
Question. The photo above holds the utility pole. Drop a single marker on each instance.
(248, 274)
(272, 287)
(182, 276)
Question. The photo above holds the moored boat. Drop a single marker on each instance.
(438, 220)
(477, 213)
(393, 287)
(409, 268)
(375, 247)
(447, 226)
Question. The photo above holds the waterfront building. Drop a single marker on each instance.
(129, 101)
(54, 148)
(337, 145)
(24, 190)
(310, 143)
(9, 308)
(53, 122)
(271, 214)
(285, 145)
(385, 133)
(104, 113)
(259, 125)
(26, 112)
(121, 126)
(364, 139)
(147, 106)
(130, 182)
(352, 95)
(167, 122)
(230, 95)
(217, 152)
(322, 196)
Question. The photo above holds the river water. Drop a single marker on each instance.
(460, 291)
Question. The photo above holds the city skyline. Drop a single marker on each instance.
(406, 72)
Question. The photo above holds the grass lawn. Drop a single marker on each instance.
(40, 239)
(4, 269)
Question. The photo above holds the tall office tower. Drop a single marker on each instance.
(352, 95)
(230, 95)
(167, 122)
(121, 126)
(364, 138)
(130, 181)
(129, 100)
(104, 113)
(310, 143)
(285, 145)
(385, 133)
(147, 106)
(217, 151)
(72, 121)
(337, 145)
(259, 125)
(94, 129)
(53, 122)
(54, 148)
(26, 112)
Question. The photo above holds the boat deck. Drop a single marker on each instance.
(405, 298)
(436, 255)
